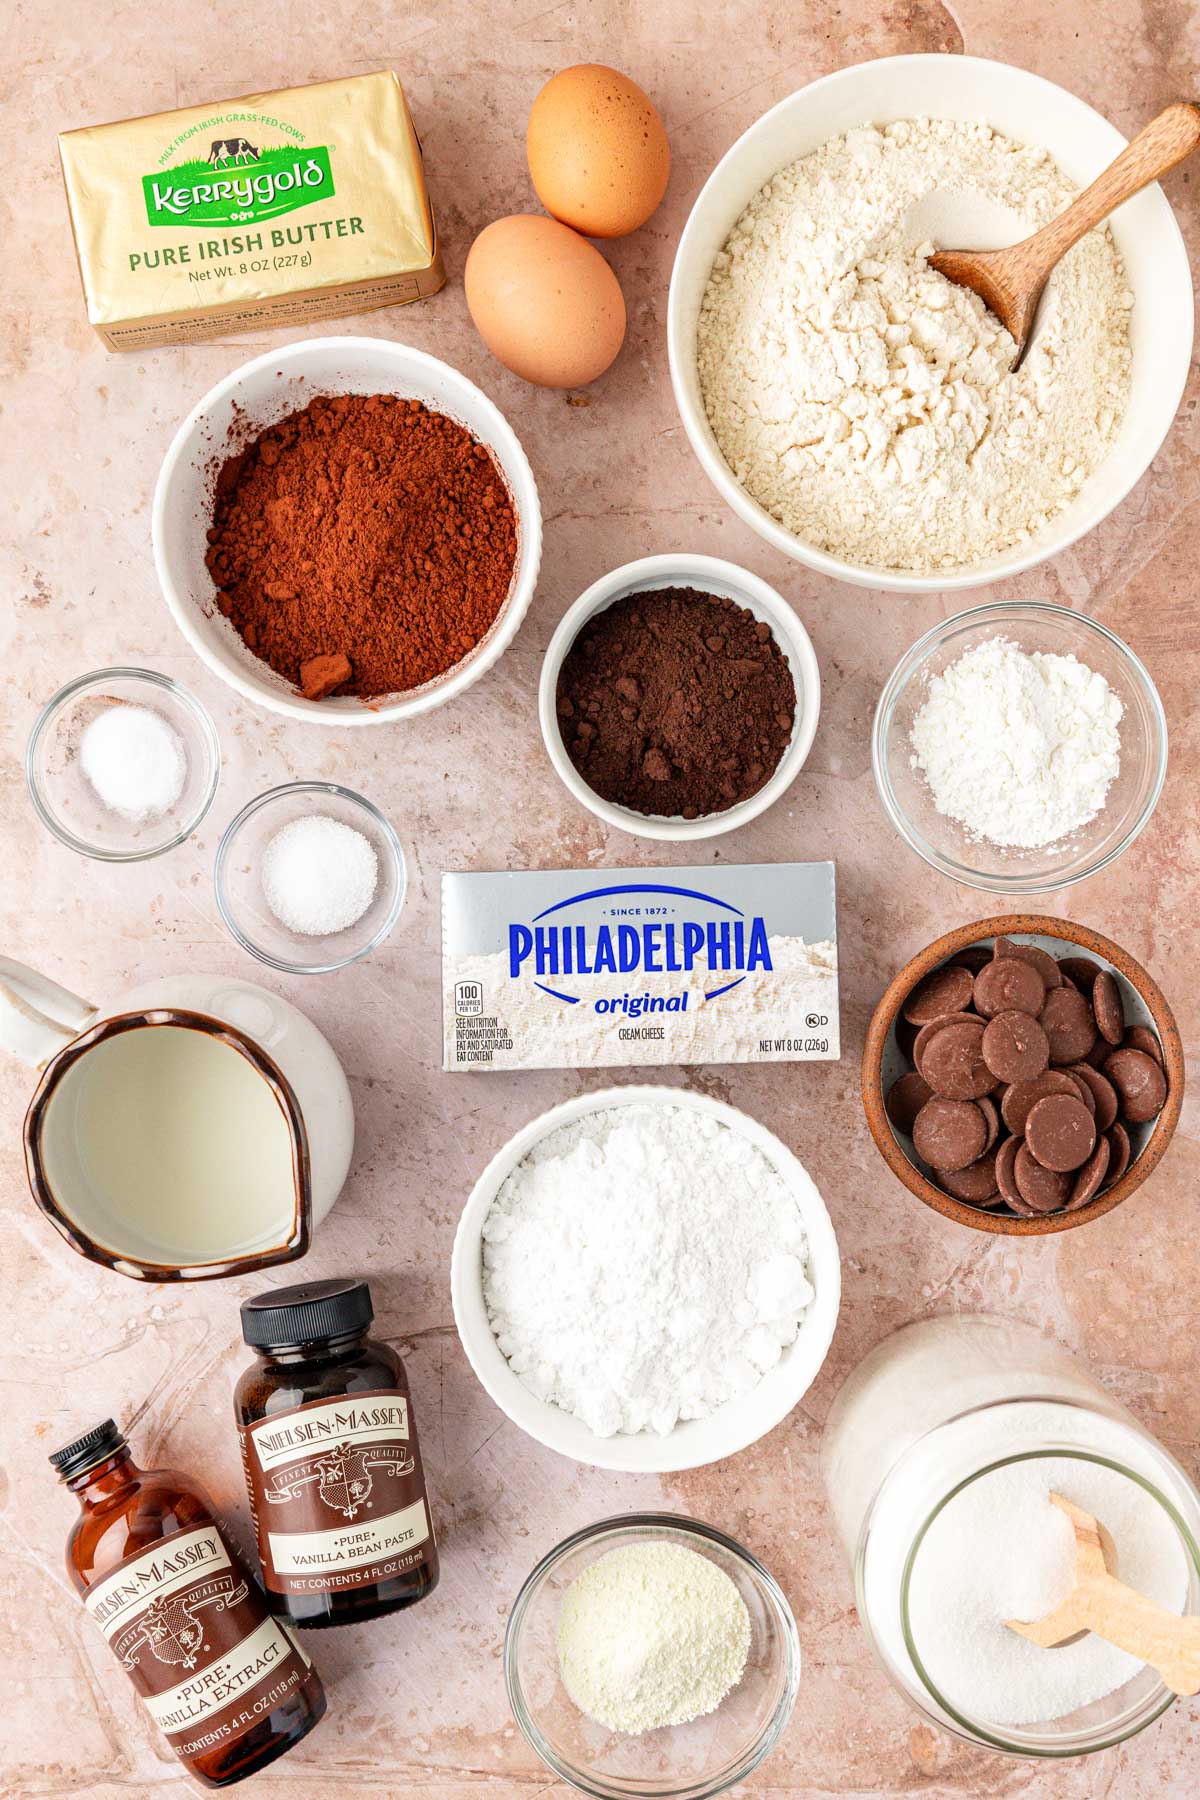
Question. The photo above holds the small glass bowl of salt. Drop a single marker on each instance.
(122, 764)
(309, 877)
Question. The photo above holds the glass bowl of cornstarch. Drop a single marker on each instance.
(651, 1655)
(1019, 747)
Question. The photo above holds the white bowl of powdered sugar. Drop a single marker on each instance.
(859, 411)
(645, 1279)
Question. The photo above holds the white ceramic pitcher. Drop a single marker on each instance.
(200, 1126)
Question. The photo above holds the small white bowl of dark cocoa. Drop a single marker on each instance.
(679, 697)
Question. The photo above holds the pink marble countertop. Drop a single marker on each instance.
(418, 1703)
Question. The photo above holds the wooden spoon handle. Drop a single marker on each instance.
(1132, 1622)
(1155, 151)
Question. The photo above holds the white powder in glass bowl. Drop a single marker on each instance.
(651, 1635)
(134, 759)
(1021, 747)
(319, 875)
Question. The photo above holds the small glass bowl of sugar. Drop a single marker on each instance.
(309, 877)
(122, 764)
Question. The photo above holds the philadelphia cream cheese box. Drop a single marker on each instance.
(587, 968)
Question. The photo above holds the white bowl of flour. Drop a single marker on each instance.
(645, 1252)
(905, 454)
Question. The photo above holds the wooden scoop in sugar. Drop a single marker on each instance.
(1120, 1615)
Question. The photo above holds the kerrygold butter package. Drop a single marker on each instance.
(277, 209)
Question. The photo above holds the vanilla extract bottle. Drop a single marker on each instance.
(332, 1461)
(226, 1683)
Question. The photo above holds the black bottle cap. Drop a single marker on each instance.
(308, 1313)
(95, 1446)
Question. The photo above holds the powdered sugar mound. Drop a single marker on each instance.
(644, 1265)
(1021, 748)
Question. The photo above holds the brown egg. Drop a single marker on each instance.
(544, 301)
(597, 151)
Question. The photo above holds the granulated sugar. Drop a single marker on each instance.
(644, 1265)
(319, 875)
(1001, 1550)
(652, 1634)
(134, 760)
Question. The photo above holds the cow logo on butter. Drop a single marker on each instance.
(238, 183)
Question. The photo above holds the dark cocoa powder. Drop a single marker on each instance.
(362, 545)
(675, 702)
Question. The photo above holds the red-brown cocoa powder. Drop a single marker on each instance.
(362, 545)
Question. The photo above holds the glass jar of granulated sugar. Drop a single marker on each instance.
(939, 1457)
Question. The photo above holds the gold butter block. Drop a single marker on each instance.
(277, 209)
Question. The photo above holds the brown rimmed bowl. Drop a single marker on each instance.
(1145, 1003)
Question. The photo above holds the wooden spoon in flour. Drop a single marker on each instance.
(1010, 282)
(1120, 1615)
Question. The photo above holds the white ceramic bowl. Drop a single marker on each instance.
(1024, 107)
(712, 576)
(693, 1442)
(265, 390)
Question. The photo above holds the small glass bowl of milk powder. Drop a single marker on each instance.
(122, 764)
(651, 1654)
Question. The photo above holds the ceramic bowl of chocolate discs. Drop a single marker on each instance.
(1023, 1075)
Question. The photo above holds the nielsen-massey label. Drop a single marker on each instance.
(337, 1493)
(196, 1640)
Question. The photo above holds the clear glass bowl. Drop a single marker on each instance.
(942, 842)
(1100, 1724)
(686, 1762)
(237, 879)
(65, 800)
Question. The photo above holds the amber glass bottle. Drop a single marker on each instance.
(332, 1462)
(230, 1688)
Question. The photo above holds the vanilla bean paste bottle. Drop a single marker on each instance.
(226, 1683)
(332, 1462)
